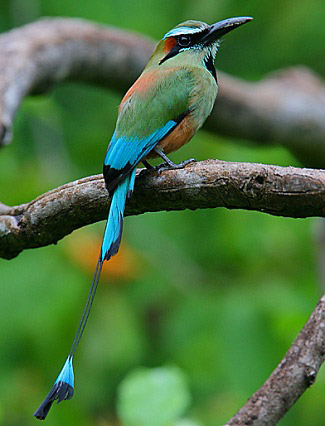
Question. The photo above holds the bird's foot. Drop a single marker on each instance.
(168, 164)
(172, 166)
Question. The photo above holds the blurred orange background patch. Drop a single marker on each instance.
(83, 247)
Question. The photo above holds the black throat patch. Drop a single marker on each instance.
(209, 65)
(172, 53)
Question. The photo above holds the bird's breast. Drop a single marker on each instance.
(201, 102)
(178, 137)
(203, 95)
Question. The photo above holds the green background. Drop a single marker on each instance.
(217, 296)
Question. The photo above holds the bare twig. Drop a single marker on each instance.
(281, 191)
(287, 107)
(295, 373)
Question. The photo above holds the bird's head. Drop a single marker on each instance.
(193, 42)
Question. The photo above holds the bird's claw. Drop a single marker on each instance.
(165, 166)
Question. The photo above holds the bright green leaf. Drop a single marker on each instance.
(153, 397)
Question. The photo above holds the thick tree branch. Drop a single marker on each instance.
(281, 191)
(287, 107)
(295, 373)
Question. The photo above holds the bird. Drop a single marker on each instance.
(161, 111)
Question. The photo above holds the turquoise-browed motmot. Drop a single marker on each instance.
(161, 112)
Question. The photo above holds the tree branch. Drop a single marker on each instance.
(287, 107)
(295, 373)
(280, 191)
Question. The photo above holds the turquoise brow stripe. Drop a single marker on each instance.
(183, 30)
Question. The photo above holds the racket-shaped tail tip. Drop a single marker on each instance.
(62, 389)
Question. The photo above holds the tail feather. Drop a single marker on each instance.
(114, 225)
(63, 388)
(131, 185)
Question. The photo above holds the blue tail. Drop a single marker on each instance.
(63, 387)
(114, 225)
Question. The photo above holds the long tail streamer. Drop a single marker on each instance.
(63, 387)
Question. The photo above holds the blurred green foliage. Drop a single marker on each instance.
(220, 294)
(157, 396)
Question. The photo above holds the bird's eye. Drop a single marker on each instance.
(184, 40)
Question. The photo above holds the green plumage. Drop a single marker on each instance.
(152, 106)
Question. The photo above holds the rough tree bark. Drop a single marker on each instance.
(280, 191)
(295, 373)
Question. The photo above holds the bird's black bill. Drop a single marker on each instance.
(221, 28)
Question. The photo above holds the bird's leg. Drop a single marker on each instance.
(168, 164)
(147, 165)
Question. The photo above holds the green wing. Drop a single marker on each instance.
(150, 109)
